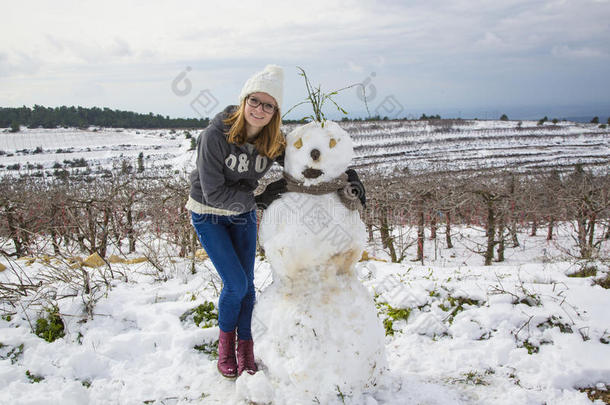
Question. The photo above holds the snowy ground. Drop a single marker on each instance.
(44, 150)
(518, 332)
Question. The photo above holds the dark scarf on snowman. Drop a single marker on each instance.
(339, 185)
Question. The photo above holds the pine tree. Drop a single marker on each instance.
(125, 167)
(141, 162)
(15, 126)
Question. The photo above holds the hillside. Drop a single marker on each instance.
(381, 147)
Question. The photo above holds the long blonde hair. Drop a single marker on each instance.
(270, 142)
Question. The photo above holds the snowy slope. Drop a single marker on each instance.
(102, 148)
(381, 147)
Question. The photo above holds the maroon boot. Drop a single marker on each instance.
(245, 357)
(227, 364)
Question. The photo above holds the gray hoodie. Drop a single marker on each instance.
(226, 173)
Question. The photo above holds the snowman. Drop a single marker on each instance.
(320, 339)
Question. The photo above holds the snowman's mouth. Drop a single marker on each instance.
(311, 173)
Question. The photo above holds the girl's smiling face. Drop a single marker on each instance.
(257, 117)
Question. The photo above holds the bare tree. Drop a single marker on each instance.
(587, 202)
(492, 198)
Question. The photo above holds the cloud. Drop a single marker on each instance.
(490, 40)
(354, 67)
(428, 50)
(120, 48)
(18, 64)
(565, 51)
(379, 34)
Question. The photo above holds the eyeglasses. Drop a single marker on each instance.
(255, 102)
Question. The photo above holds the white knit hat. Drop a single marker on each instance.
(270, 80)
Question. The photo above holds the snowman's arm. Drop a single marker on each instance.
(357, 186)
(272, 192)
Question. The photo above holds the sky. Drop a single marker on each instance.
(462, 58)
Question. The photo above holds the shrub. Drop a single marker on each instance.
(141, 162)
(585, 271)
(13, 354)
(80, 162)
(33, 378)
(204, 315)
(207, 314)
(393, 314)
(50, 328)
(211, 349)
(604, 282)
(61, 174)
(531, 348)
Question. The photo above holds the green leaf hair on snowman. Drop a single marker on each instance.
(317, 98)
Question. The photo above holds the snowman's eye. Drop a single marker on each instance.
(332, 143)
(298, 144)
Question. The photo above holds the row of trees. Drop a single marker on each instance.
(594, 120)
(78, 216)
(88, 215)
(81, 117)
(500, 204)
(378, 117)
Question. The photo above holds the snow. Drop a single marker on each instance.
(102, 148)
(136, 349)
(380, 147)
(517, 332)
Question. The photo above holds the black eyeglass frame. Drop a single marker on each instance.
(257, 102)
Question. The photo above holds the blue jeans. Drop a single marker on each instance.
(230, 241)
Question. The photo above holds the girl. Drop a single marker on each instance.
(233, 153)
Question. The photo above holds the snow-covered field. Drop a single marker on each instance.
(45, 150)
(457, 332)
(518, 332)
(381, 147)
(458, 145)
